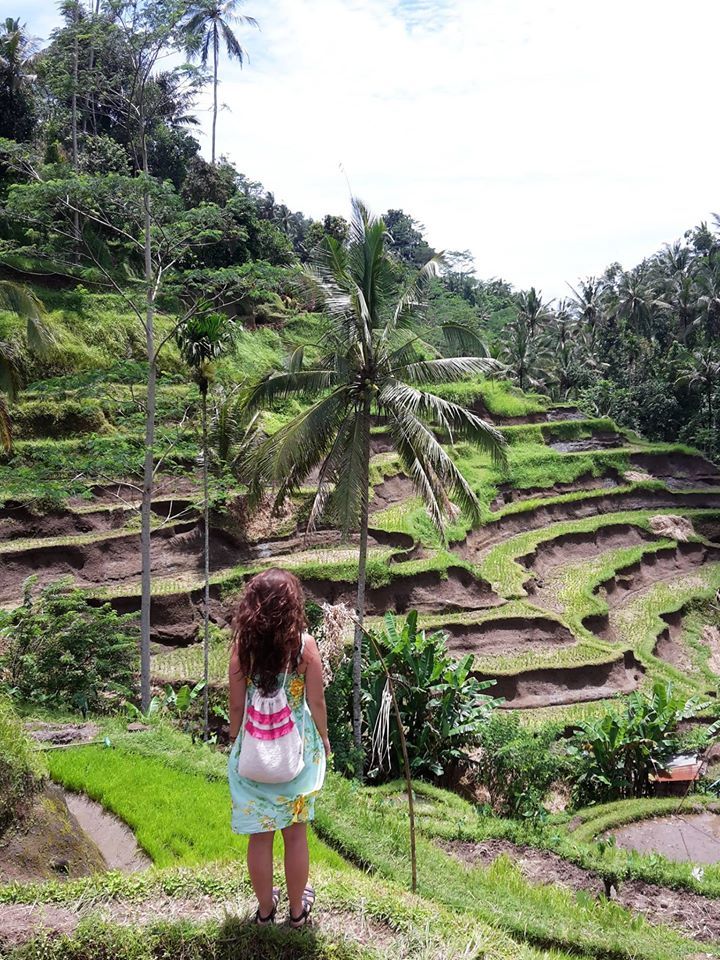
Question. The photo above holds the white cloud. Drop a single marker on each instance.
(551, 137)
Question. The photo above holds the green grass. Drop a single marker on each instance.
(546, 433)
(157, 782)
(394, 925)
(157, 785)
(697, 614)
(546, 916)
(21, 769)
(498, 397)
(186, 663)
(571, 835)
(207, 941)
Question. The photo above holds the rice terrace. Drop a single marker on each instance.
(503, 509)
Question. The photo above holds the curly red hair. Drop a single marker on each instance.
(268, 623)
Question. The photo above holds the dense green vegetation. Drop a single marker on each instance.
(20, 771)
(522, 482)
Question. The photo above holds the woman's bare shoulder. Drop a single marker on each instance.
(309, 650)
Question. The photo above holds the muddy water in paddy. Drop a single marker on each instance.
(114, 839)
(689, 837)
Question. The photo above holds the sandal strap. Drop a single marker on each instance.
(273, 913)
(269, 918)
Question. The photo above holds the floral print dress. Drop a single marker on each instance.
(262, 807)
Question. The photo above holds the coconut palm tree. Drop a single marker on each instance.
(202, 339)
(370, 363)
(701, 370)
(18, 299)
(680, 300)
(587, 303)
(17, 49)
(207, 22)
(634, 301)
(708, 281)
(525, 357)
(533, 310)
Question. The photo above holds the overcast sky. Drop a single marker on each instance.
(550, 137)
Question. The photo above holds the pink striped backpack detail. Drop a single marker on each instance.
(272, 747)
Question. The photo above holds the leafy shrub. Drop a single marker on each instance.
(616, 754)
(20, 770)
(443, 708)
(347, 758)
(517, 765)
(59, 650)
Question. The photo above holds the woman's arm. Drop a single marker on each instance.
(315, 690)
(237, 694)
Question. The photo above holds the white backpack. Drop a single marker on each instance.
(272, 747)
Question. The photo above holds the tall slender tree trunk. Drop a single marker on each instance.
(216, 53)
(148, 468)
(90, 96)
(362, 573)
(74, 115)
(206, 560)
(711, 417)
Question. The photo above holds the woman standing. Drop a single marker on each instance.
(273, 657)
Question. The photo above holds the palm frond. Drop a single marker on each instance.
(19, 299)
(350, 485)
(410, 433)
(295, 360)
(414, 294)
(425, 480)
(233, 48)
(460, 422)
(445, 369)
(280, 386)
(461, 339)
(285, 458)
(9, 369)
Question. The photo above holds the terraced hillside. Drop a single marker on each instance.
(573, 588)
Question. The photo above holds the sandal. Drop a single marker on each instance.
(270, 918)
(308, 900)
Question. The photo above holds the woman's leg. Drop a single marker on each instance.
(297, 865)
(260, 868)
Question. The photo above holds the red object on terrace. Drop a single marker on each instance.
(684, 774)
